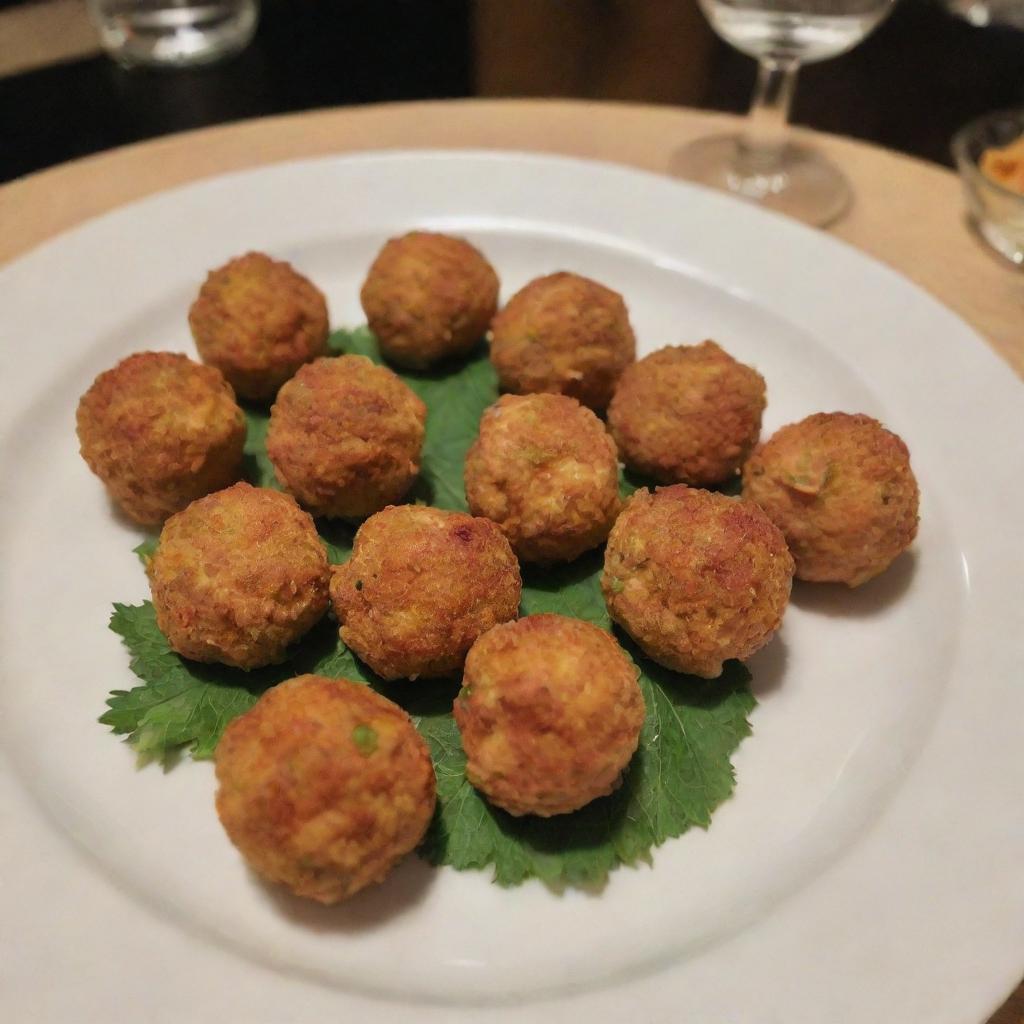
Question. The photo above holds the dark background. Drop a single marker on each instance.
(909, 86)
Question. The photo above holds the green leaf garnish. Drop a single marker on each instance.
(680, 773)
(185, 705)
(146, 550)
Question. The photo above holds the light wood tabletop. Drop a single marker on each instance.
(907, 213)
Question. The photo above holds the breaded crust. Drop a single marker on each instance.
(258, 320)
(695, 577)
(549, 713)
(324, 785)
(564, 334)
(546, 471)
(422, 584)
(428, 297)
(345, 437)
(238, 576)
(687, 414)
(841, 489)
(160, 431)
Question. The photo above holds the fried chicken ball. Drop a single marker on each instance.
(258, 320)
(428, 297)
(549, 713)
(545, 470)
(160, 431)
(345, 437)
(841, 489)
(564, 334)
(238, 576)
(324, 786)
(695, 577)
(687, 414)
(422, 584)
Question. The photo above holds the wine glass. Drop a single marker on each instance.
(761, 163)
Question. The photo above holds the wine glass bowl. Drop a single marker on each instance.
(805, 31)
(763, 163)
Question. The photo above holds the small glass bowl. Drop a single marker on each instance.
(997, 212)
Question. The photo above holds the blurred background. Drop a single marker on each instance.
(933, 65)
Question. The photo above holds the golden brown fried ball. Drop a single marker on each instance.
(422, 584)
(545, 470)
(564, 334)
(345, 437)
(324, 786)
(238, 576)
(258, 320)
(687, 414)
(696, 578)
(841, 489)
(429, 297)
(549, 713)
(160, 431)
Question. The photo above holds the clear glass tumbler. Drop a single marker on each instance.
(762, 162)
(173, 33)
(995, 211)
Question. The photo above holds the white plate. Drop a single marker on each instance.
(868, 868)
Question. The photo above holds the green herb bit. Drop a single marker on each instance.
(534, 454)
(365, 739)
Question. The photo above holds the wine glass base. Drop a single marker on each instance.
(800, 183)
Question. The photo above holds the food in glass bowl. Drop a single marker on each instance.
(1005, 165)
(986, 152)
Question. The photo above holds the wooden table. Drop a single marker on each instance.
(907, 213)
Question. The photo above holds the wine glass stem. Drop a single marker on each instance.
(764, 137)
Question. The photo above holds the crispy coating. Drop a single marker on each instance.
(687, 414)
(841, 489)
(550, 713)
(324, 786)
(428, 297)
(545, 470)
(258, 320)
(422, 584)
(563, 334)
(239, 576)
(345, 437)
(160, 431)
(696, 578)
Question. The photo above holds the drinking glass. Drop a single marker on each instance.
(762, 163)
(173, 33)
